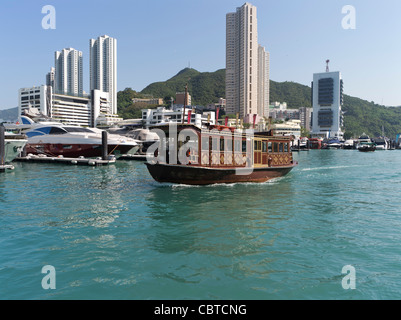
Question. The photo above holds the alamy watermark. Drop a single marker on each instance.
(349, 20)
(49, 280)
(180, 148)
(349, 281)
(49, 20)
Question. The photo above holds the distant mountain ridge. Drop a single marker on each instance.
(360, 117)
(9, 114)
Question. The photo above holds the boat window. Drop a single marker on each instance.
(269, 146)
(243, 146)
(45, 130)
(215, 144)
(280, 147)
(228, 144)
(57, 130)
(257, 145)
(237, 145)
(264, 146)
(286, 147)
(34, 133)
(221, 144)
(205, 143)
(275, 147)
(78, 129)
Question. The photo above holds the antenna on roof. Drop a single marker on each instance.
(327, 65)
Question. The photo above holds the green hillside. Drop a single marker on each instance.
(296, 95)
(360, 116)
(204, 87)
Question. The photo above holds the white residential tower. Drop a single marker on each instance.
(103, 68)
(263, 82)
(242, 61)
(68, 72)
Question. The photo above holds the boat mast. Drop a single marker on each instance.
(185, 103)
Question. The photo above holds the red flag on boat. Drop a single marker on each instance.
(217, 114)
(254, 120)
(226, 122)
(189, 116)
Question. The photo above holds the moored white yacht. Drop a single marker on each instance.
(46, 136)
(349, 144)
(382, 143)
(334, 143)
(365, 144)
(145, 136)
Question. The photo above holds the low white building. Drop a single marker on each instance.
(280, 111)
(71, 109)
(34, 97)
(85, 110)
(162, 115)
(289, 128)
(102, 109)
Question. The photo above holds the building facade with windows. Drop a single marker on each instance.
(242, 61)
(161, 115)
(35, 97)
(103, 67)
(263, 82)
(180, 98)
(85, 110)
(68, 73)
(51, 78)
(327, 101)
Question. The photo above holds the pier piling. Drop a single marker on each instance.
(104, 145)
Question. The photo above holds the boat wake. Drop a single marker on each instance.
(227, 185)
(330, 168)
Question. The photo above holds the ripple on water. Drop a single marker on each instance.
(114, 233)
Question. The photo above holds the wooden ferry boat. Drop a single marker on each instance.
(221, 155)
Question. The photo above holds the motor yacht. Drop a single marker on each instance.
(52, 138)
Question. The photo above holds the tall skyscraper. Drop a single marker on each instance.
(68, 72)
(242, 61)
(103, 68)
(327, 100)
(263, 82)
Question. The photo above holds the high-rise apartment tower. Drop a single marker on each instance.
(68, 72)
(103, 68)
(263, 82)
(242, 61)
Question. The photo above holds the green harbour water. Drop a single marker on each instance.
(114, 233)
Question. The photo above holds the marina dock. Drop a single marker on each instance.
(61, 160)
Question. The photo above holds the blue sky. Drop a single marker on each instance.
(158, 38)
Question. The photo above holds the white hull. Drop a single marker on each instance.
(55, 139)
(13, 148)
